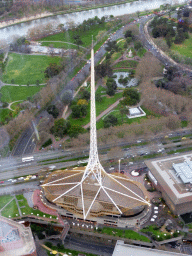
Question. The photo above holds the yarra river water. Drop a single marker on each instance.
(8, 33)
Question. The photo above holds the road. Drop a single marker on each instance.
(11, 167)
(88, 246)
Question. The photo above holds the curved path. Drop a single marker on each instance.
(63, 43)
(156, 51)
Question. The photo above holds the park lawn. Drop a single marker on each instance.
(15, 105)
(124, 119)
(62, 45)
(12, 93)
(10, 210)
(4, 200)
(27, 69)
(121, 43)
(126, 64)
(185, 48)
(129, 234)
(115, 56)
(158, 234)
(4, 113)
(100, 107)
(68, 36)
(28, 210)
(141, 52)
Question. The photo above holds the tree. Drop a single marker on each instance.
(137, 45)
(131, 97)
(52, 70)
(82, 102)
(75, 130)
(76, 111)
(53, 110)
(110, 120)
(103, 69)
(128, 33)
(98, 97)
(123, 111)
(148, 68)
(111, 86)
(112, 46)
(85, 94)
(67, 97)
(60, 127)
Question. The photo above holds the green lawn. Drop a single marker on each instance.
(158, 234)
(126, 64)
(62, 45)
(13, 93)
(4, 113)
(28, 210)
(10, 210)
(115, 56)
(24, 69)
(86, 36)
(129, 234)
(123, 119)
(141, 52)
(185, 48)
(4, 200)
(100, 107)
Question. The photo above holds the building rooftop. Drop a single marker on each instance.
(122, 249)
(163, 172)
(184, 171)
(15, 238)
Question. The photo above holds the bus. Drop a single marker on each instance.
(28, 159)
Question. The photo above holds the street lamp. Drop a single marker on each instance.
(119, 165)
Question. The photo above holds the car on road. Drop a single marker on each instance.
(14, 180)
(10, 180)
(21, 178)
(1, 182)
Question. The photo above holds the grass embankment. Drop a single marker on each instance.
(11, 208)
(68, 36)
(100, 107)
(129, 234)
(26, 210)
(4, 113)
(27, 69)
(159, 235)
(185, 48)
(14, 93)
(126, 64)
(124, 119)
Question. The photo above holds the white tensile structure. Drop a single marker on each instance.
(92, 190)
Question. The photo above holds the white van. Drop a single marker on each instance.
(28, 159)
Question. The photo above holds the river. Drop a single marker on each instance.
(8, 33)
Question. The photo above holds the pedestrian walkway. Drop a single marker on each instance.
(105, 112)
(18, 205)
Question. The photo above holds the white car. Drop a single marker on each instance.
(33, 177)
(10, 179)
(21, 178)
(14, 180)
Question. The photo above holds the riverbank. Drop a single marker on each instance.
(46, 14)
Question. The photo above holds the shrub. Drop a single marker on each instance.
(47, 143)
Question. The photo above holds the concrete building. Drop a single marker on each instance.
(122, 249)
(173, 177)
(15, 239)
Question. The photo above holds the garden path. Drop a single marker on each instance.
(106, 111)
(29, 197)
(18, 205)
(63, 43)
(9, 106)
(6, 205)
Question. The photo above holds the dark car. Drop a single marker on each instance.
(122, 172)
